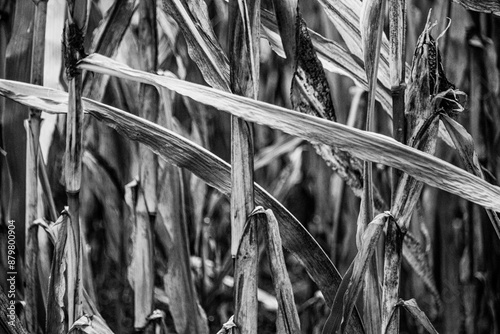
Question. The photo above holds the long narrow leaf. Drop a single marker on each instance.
(363, 145)
(412, 307)
(183, 153)
(288, 318)
(465, 145)
(203, 46)
(485, 6)
(344, 304)
(246, 267)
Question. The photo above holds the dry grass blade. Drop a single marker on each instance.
(246, 266)
(183, 153)
(367, 146)
(203, 45)
(140, 270)
(465, 146)
(412, 307)
(484, 6)
(344, 303)
(9, 322)
(392, 267)
(345, 15)
(288, 318)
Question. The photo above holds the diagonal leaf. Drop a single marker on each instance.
(367, 146)
(484, 6)
(415, 254)
(9, 322)
(412, 307)
(288, 318)
(203, 46)
(465, 145)
(214, 171)
(344, 303)
(333, 57)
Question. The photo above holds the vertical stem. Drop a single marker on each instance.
(397, 65)
(394, 236)
(371, 279)
(244, 39)
(74, 34)
(33, 134)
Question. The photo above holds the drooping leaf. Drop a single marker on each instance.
(417, 259)
(412, 307)
(106, 39)
(203, 45)
(333, 57)
(363, 145)
(344, 303)
(183, 153)
(288, 318)
(465, 145)
(484, 6)
(57, 318)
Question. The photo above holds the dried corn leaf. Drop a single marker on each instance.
(371, 22)
(465, 145)
(203, 45)
(344, 303)
(183, 153)
(17, 67)
(412, 307)
(90, 324)
(286, 16)
(416, 257)
(140, 272)
(57, 318)
(310, 93)
(106, 39)
(244, 37)
(288, 318)
(360, 144)
(333, 57)
(484, 6)
(246, 267)
(392, 268)
(345, 15)
(6, 320)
